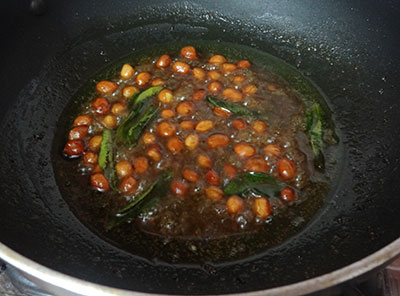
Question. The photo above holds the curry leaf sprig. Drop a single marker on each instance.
(314, 125)
(258, 183)
(106, 158)
(141, 114)
(130, 130)
(139, 97)
(235, 108)
(105, 154)
(146, 199)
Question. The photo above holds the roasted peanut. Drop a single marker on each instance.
(189, 52)
(215, 87)
(185, 108)
(199, 73)
(154, 153)
(217, 140)
(148, 138)
(239, 124)
(166, 129)
(259, 126)
(232, 94)
(181, 67)
(199, 95)
(257, 164)
(74, 148)
(228, 68)
(217, 60)
(238, 79)
(123, 168)
(204, 161)
(110, 121)
(287, 194)
(244, 150)
(174, 145)
(129, 91)
(163, 61)
(214, 193)
(230, 171)
(262, 207)
(192, 141)
(78, 133)
(190, 175)
(272, 150)
(127, 71)
(212, 177)
(234, 204)
(141, 164)
(204, 126)
(221, 112)
(90, 158)
(99, 182)
(165, 96)
(101, 106)
(167, 113)
(250, 89)
(95, 142)
(243, 64)
(118, 108)
(143, 78)
(213, 75)
(128, 184)
(158, 82)
(83, 120)
(106, 87)
(286, 168)
(187, 125)
(179, 188)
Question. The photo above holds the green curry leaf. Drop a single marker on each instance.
(138, 98)
(132, 127)
(146, 199)
(141, 113)
(105, 149)
(106, 158)
(314, 119)
(235, 108)
(258, 183)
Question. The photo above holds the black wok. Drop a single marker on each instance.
(350, 49)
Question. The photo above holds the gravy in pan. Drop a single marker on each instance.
(192, 146)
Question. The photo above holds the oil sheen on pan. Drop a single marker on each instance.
(192, 153)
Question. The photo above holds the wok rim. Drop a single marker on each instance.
(324, 281)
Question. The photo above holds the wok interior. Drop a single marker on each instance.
(355, 66)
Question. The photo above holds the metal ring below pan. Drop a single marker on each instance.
(61, 284)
